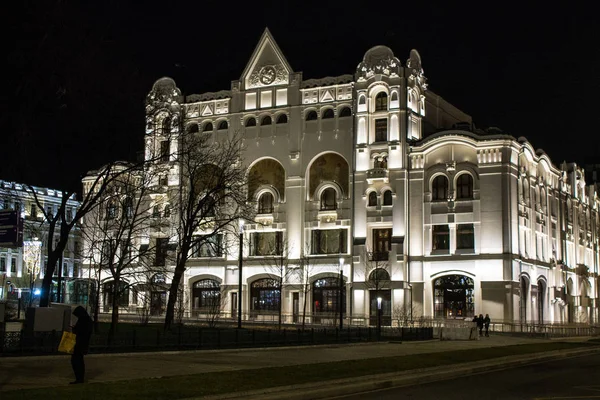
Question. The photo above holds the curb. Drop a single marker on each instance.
(347, 386)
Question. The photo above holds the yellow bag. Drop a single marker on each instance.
(67, 343)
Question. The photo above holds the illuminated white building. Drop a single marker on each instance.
(19, 265)
(378, 175)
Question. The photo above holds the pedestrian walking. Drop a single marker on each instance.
(83, 332)
(486, 323)
(480, 324)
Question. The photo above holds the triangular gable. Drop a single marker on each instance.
(326, 95)
(207, 110)
(267, 66)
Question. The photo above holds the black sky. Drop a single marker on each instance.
(79, 74)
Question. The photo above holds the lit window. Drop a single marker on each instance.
(266, 243)
(265, 295)
(207, 246)
(329, 241)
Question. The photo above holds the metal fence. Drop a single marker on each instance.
(189, 337)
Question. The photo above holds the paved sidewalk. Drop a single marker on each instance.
(47, 371)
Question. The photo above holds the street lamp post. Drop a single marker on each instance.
(341, 294)
(239, 296)
(379, 318)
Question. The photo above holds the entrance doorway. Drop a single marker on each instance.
(234, 305)
(296, 306)
(386, 307)
(453, 297)
(157, 302)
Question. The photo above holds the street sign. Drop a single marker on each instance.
(11, 229)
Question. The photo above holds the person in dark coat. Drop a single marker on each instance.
(486, 322)
(83, 332)
(480, 324)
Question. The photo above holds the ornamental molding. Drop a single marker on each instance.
(268, 75)
(379, 60)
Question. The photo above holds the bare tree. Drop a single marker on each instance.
(210, 201)
(404, 314)
(307, 268)
(114, 230)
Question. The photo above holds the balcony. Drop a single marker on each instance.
(377, 175)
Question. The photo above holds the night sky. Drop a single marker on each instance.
(78, 74)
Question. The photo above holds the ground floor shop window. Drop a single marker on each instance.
(453, 297)
(326, 296)
(265, 295)
(206, 293)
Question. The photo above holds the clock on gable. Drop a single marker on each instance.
(267, 75)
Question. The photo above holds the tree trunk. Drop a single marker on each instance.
(115, 310)
(304, 306)
(47, 281)
(172, 301)
(280, 305)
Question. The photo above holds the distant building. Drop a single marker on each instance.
(376, 175)
(24, 265)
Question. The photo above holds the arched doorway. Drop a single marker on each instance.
(326, 298)
(454, 297)
(523, 299)
(380, 297)
(541, 301)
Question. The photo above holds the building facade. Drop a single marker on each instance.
(24, 266)
(375, 178)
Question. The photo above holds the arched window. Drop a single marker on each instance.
(439, 188)
(543, 199)
(128, 207)
(381, 101)
(223, 125)
(265, 295)
(111, 209)
(328, 200)
(311, 116)
(464, 187)
(251, 122)
(541, 300)
(208, 127)
(387, 198)
(265, 203)
(453, 297)
(523, 299)
(206, 295)
(394, 96)
(326, 296)
(266, 120)
(372, 199)
(345, 112)
(167, 211)
(282, 119)
(166, 125)
(193, 128)
(328, 113)
(362, 100)
(379, 275)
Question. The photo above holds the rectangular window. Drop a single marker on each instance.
(2, 264)
(164, 150)
(440, 238)
(465, 236)
(75, 270)
(266, 243)
(281, 97)
(33, 211)
(13, 264)
(161, 251)
(382, 244)
(65, 270)
(381, 131)
(69, 214)
(250, 101)
(266, 99)
(329, 241)
(207, 246)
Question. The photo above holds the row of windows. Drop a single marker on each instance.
(465, 237)
(464, 188)
(328, 114)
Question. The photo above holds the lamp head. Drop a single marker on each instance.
(379, 303)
